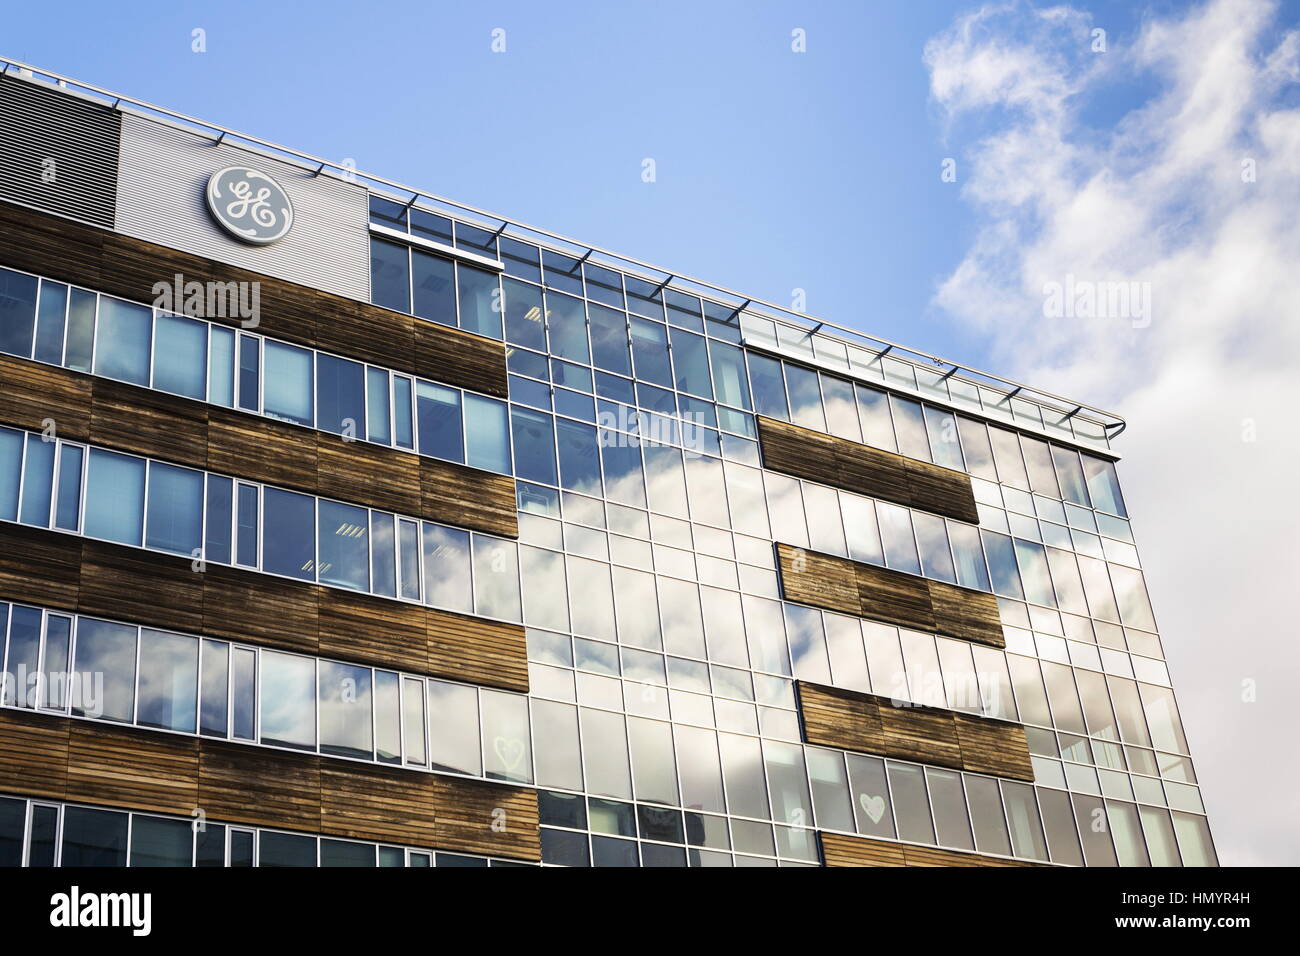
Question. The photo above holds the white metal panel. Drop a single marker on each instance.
(160, 198)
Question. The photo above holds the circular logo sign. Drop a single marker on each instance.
(249, 205)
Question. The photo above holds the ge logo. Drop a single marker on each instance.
(249, 205)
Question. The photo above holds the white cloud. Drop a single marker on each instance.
(1158, 197)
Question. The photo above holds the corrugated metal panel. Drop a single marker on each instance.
(160, 198)
(58, 152)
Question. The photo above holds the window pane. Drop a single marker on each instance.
(216, 544)
(288, 701)
(383, 554)
(870, 796)
(344, 546)
(650, 351)
(346, 853)
(480, 301)
(38, 481)
(287, 392)
(506, 751)
(341, 401)
(221, 367)
(447, 568)
(1070, 474)
(691, 363)
(949, 801)
(966, 547)
(250, 351)
(567, 323)
(768, 386)
(1103, 486)
(216, 688)
(93, 837)
(388, 717)
(17, 312)
(175, 515)
(911, 803)
(403, 420)
(248, 526)
(805, 397)
(932, 536)
(345, 710)
(115, 497)
(728, 363)
(413, 721)
(290, 534)
(976, 448)
(534, 440)
(24, 655)
(525, 321)
(108, 649)
(454, 728)
(896, 531)
(122, 346)
(49, 321)
(433, 281)
(377, 406)
(909, 422)
(438, 413)
(11, 457)
(285, 849)
(579, 460)
(621, 459)
(389, 276)
(877, 422)
(486, 434)
(158, 842)
(80, 344)
(169, 676)
(243, 692)
(181, 356)
(945, 447)
(986, 814)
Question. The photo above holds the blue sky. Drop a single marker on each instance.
(775, 170)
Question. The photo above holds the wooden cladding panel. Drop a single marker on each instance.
(120, 265)
(173, 429)
(859, 468)
(140, 586)
(468, 497)
(906, 600)
(481, 652)
(238, 784)
(33, 755)
(135, 769)
(839, 849)
(62, 759)
(996, 747)
(39, 566)
(75, 574)
(848, 720)
(30, 393)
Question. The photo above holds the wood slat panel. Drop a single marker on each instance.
(881, 594)
(475, 816)
(859, 468)
(996, 747)
(134, 769)
(468, 497)
(821, 580)
(145, 422)
(360, 472)
(140, 586)
(39, 566)
(30, 393)
(246, 606)
(922, 734)
(262, 450)
(259, 787)
(371, 630)
(128, 267)
(839, 849)
(33, 754)
(379, 803)
(476, 650)
(849, 720)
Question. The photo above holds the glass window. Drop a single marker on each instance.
(13, 821)
(487, 437)
(769, 387)
(479, 294)
(841, 409)
(180, 360)
(650, 351)
(877, 422)
(454, 728)
(290, 534)
(108, 649)
(948, 798)
(383, 554)
(247, 526)
(788, 783)
(433, 284)
(24, 655)
(285, 849)
(38, 481)
(1022, 814)
(80, 344)
(945, 447)
(345, 710)
(909, 421)
(344, 546)
(496, 578)
(699, 768)
(403, 420)
(1131, 595)
(438, 414)
(122, 349)
(250, 351)
(621, 459)
(1103, 486)
(534, 441)
(870, 793)
(976, 448)
(825, 526)
(243, 692)
(729, 379)
(288, 701)
(408, 559)
(17, 312)
(346, 853)
(93, 837)
(567, 323)
(341, 396)
(1034, 574)
(390, 279)
(169, 678)
(506, 751)
(50, 317)
(414, 725)
(447, 568)
(932, 537)
(579, 459)
(1002, 564)
(213, 716)
(691, 361)
(221, 367)
(911, 803)
(525, 320)
(986, 814)
(378, 419)
(388, 717)
(896, 531)
(220, 514)
(1006, 452)
(604, 739)
(1038, 460)
(969, 554)
(1070, 474)
(175, 510)
(805, 397)
(808, 652)
(830, 790)
(288, 392)
(11, 457)
(115, 497)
